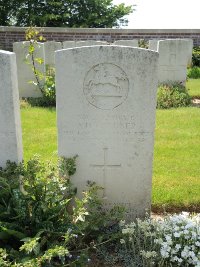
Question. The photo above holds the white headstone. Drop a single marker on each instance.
(90, 43)
(153, 44)
(71, 44)
(106, 101)
(10, 130)
(49, 52)
(24, 70)
(173, 60)
(174, 56)
(190, 50)
(133, 43)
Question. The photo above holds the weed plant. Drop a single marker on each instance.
(43, 223)
(172, 96)
(194, 73)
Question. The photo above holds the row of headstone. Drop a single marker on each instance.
(46, 51)
(106, 102)
(174, 57)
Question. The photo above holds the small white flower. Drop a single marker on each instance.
(197, 244)
(186, 232)
(176, 234)
(121, 223)
(194, 235)
(178, 246)
(184, 254)
(164, 253)
(180, 260)
(168, 238)
(191, 254)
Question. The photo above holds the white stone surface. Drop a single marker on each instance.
(190, 49)
(10, 130)
(71, 44)
(174, 57)
(133, 43)
(49, 52)
(106, 101)
(90, 43)
(173, 60)
(153, 44)
(24, 70)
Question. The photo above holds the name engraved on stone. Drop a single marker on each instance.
(104, 166)
(106, 86)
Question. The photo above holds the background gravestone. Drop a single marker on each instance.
(49, 52)
(106, 101)
(24, 70)
(71, 44)
(190, 49)
(153, 45)
(133, 43)
(174, 56)
(10, 130)
(90, 43)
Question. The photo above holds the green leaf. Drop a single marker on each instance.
(6, 234)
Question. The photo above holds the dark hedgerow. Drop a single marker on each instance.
(172, 96)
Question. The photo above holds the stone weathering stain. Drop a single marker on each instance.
(106, 100)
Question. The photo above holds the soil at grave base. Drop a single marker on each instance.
(163, 209)
(95, 262)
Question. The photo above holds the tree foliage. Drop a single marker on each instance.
(7, 9)
(62, 13)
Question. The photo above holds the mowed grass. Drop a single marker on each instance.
(176, 175)
(39, 132)
(176, 172)
(193, 86)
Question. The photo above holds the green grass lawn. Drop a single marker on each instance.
(176, 175)
(39, 132)
(193, 85)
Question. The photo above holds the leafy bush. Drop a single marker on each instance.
(48, 90)
(143, 43)
(196, 56)
(172, 96)
(194, 73)
(42, 222)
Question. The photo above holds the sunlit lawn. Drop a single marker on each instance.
(193, 86)
(39, 132)
(176, 176)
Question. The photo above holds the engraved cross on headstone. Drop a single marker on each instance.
(104, 166)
